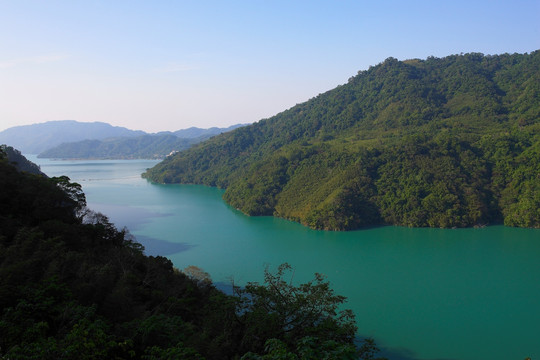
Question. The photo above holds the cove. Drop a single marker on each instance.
(420, 293)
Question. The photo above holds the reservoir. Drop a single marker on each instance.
(453, 294)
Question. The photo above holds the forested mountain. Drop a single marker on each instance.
(195, 132)
(441, 142)
(140, 147)
(33, 139)
(15, 158)
(72, 286)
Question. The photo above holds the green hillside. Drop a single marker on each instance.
(73, 287)
(441, 142)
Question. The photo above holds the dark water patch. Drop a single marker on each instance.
(155, 247)
(225, 287)
(397, 354)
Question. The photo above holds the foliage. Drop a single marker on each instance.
(302, 322)
(15, 158)
(198, 275)
(441, 142)
(308, 348)
(72, 286)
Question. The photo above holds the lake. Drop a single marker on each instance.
(459, 294)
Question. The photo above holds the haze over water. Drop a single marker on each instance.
(421, 293)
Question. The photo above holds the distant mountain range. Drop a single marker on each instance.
(33, 139)
(70, 139)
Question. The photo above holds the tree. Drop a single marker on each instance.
(308, 348)
(72, 189)
(198, 275)
(280, 310)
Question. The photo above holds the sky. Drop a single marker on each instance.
(168, 65)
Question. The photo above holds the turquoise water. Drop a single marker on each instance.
(421, 293)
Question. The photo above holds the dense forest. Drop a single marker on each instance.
(440, 142)
(15, 158)
(72, 286)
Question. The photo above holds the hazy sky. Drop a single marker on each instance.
(168, 65)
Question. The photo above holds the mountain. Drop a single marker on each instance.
(440, 142)
(33, 139)
(20, 162)
(149, 146)
(194, 132)
(140, 147)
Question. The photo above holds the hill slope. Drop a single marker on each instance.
(72, 286)
(441, 142)
(15, 158)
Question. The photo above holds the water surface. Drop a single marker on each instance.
(421, 293)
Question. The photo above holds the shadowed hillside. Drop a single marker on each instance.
(72, 286)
